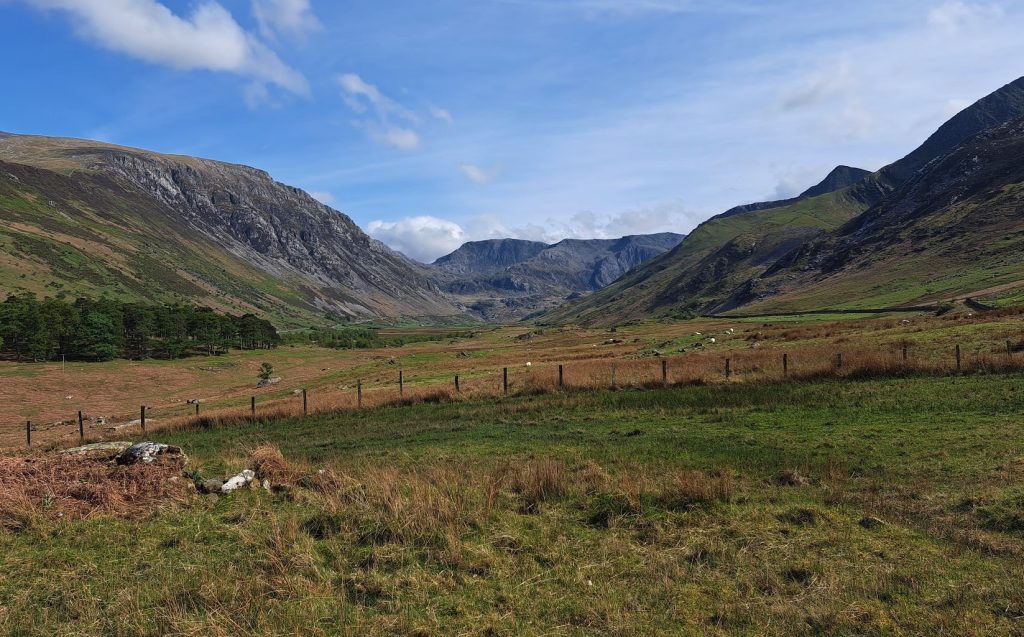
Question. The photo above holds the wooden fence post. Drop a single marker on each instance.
(197, 407)
(904, 353)
(839, 360)
(958, 366)
(785, 364)
(28, 432)
(401, 382)
(664, 371)
(504, 380)
(728, 367)
(614, 384)
(359, 393)
(1009, 349)
(81, 427)
(252, 405)
(561, 376)
(458, 390)
(142, 418)
(305, 402)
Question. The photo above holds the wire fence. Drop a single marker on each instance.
(401, 387)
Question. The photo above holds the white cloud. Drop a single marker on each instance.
(291, 18)
(208, 39)
(956, 16)
(442, 114)
(423, 238)
(479, 175)
(325, 198)
(382, 111)
(396, 137)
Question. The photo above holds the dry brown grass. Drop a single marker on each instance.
(75, 487)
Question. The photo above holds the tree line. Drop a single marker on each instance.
(364, 337)
(33, 329)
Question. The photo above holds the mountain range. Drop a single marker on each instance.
(504, 280)
(944, 222)
(95, 219)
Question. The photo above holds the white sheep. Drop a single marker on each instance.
(712, 340)
(529, 364)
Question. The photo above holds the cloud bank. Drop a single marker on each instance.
(208, 38)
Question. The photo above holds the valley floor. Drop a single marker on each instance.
(835, 507)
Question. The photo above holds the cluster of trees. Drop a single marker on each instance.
(33, 329)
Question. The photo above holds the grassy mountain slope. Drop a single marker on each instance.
(955, 229)
(85, 218)
(750, 256)
(710, 266)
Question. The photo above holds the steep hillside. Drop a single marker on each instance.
(83, 217)
(507, 279)
(954, 229)
(746, 255)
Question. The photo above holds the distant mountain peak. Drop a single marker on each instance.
(840, 177)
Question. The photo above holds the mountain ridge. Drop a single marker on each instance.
(719, 267)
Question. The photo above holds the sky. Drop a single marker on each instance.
(435, 122)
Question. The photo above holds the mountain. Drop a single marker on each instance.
(509, 279)
(750, 255)
(88, 218)
(954, 229)
(485, 257)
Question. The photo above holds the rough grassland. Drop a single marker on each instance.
(716, 510)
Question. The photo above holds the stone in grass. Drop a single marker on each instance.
(241, 480)
(109, 449)
(871, 523)
(147, 453)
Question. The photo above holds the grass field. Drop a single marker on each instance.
(837, 503)
(717, 510)
(631, 356)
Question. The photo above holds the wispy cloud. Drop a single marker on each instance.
(290, 18)
(208, 38)
(388, 122)
(479, 175)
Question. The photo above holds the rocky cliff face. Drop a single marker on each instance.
(509, 279)
(320, 255)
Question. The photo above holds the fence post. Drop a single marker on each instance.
(142, 418)
(197, 407)
(458, 390)
(504, 380)
(561, 376)
(305, 403)
(785, 364)
(1009, 349)
(81, 427)
(252, 405)
(359, 394)
(664, 371)
(28, 432)
(904, 353)
(958, 367)
(728, 367)
(614, 384)
(401, 382)
(839, 360)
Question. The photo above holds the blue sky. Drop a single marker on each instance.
(433, 122)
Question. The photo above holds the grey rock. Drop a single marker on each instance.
(871, 523)
(147, 452)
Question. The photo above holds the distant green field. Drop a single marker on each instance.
(717, 510)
